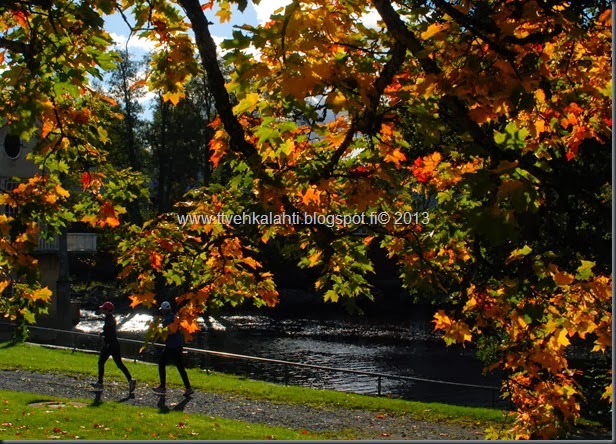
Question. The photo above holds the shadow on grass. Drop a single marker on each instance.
(131, 395)
(11, 344)
(97, 398)
(164, 408)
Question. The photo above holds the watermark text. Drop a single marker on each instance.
(306, 218)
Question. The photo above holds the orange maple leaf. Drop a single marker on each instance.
(190, 326)
(311, 195)
(156, 260)
(108, 215)
(145, 298)
(423, 168)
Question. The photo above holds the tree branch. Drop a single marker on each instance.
(207, 50)
(451, 108)
(16, 47)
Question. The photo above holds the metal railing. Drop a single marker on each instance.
(379, 376)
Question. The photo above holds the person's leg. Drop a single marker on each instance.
(162, 363)
(102, 359)
(179, 363)
(117, 358)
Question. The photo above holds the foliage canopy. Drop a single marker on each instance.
(473, 137)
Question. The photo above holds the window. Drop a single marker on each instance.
(7, 185)
(12, 146)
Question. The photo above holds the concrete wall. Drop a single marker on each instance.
(62, 313)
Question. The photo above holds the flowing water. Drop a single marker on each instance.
(392, 347)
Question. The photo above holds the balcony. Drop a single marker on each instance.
(76, 242)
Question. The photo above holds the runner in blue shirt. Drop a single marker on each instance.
(172, 353)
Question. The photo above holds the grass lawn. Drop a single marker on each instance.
(38, 358)
(23, 419)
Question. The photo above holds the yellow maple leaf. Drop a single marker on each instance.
(470, 304)
(48, 126)
(224, 13)
(252, 262)
(61, 191)
(51, 198)
(43, 294)
(173, 97)
(519, 320)
(89, 219)
(189, 326)
(247, 104)
(433, 29)
(395, 157)
(314, 258)
(441, 320)
(4, 285)
(561, 338)
(603, 342)
(607, 394)
(540, 96)
(459, 332)
(336, 100)
(551, 326)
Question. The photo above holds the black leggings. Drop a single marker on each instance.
(111, 349)
(172, 356)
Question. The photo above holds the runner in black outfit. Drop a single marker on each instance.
(111, 348)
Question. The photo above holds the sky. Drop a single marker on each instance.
(253, 15)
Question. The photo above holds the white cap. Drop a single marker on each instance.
(165, 306)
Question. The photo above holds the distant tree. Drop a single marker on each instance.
(127, 86)
(178, 137)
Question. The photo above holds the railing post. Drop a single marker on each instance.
(379, 385)
(286, 374)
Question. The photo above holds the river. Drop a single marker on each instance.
(398, 347)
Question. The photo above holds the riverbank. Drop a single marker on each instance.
(60, 374)
(337, 423)
(55, 374)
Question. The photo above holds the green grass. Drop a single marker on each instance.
(38, 358)
(23, 420)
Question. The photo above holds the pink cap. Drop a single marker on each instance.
(107, 306)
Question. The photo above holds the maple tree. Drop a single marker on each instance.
(49, 54)
(454, 127)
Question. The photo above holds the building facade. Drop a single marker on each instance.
(51, 254)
